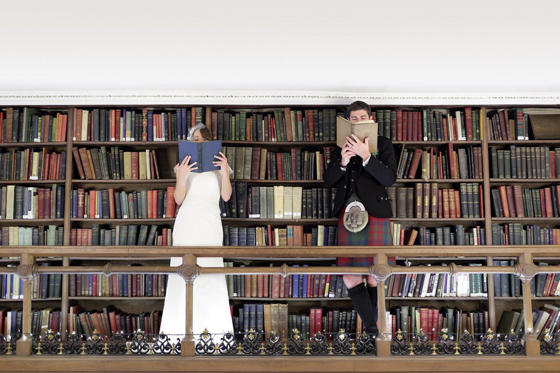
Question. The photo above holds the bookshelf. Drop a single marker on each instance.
(165, 155)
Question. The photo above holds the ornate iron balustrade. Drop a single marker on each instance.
(467, 344)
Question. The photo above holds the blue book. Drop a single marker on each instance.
(202, 153)
(295, 284)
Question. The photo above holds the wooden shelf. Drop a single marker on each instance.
(270, 144)
(287, 299)
(32, 222)
(441, 181)
(259, 221)
(110, 182)
(446, 220)
(526, 219)
(117, 298)
(54, 144)
(281, 182)
(34, 300)
(437, 298)
(32, 182)
(132, 221)
(523, 142)
(437, 143)
(144, 144)
(524, 181)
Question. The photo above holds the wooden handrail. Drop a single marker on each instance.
(524, 255)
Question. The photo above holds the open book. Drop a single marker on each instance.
(202, 153)
(366, 128)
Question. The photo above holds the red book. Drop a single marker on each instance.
(279, 168)
(312, 322)
(552, 156)
(112, 214)
(293, 163)
(318, 320)
(405, 126)
(311, 125)
(288, 122)
(414, 164)
(399, 134)
(468, 123)
(548, 202)
(154, 204)
(92, 204)
(170, 203)
(150, 204)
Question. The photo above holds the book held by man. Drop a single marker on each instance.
(202, 153)
(363, 129)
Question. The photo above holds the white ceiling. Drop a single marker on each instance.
(354, 48)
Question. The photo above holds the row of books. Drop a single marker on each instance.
(293, 286)
(119, 285)
(525, 162)
(100, 124)
(425, 200)
(275, 317)
(32, 236)
(545, 284)
(292, 235)
(110, 321)
(517, 202)
(546, 320)
(508, 124)
(411, 319)
(275, 125)
(454, 235)
(464, 163)
(278, 202)
(32, 164)
(117, 164)
(122, 235)
(42, 320)
(111, 204)
(430, 124)
(20, 202)
(32, 125)
(253, 163)
(519, 234)
(438, 285)
(43, 286)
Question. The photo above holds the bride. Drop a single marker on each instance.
(198, 223)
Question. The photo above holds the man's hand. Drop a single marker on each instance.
(347, 153)
(358, 147)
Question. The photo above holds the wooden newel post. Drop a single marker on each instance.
(26, 271)
(189, 271)
(526, 270)
(381, 271)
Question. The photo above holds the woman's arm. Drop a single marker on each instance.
(182, 171)
(225, 187)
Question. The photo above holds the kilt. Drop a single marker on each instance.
(376, 233)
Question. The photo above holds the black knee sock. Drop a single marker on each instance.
(362, 303)
(372, 291)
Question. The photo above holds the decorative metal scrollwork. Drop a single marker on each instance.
(73, 344)
(489, 344)
(205, 344)
(295, 345)
(139, 344)
(251, 343)
(548, 345)
(49, 343)
(341, 343)
(94, 344)
(117, 345)
(228, 344)
(273, 345)
(365, 345)
(163, 346)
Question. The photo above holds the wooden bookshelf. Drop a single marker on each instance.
(166, 157)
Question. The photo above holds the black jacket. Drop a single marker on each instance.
(369, 181)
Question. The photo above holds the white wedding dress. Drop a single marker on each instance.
(198, 223)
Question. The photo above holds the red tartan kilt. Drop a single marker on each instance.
(376, 233)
